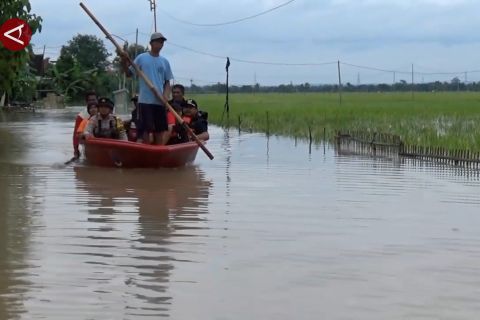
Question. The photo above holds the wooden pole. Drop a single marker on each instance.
(268, 125)
(226, 107)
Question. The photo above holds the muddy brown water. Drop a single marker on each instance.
(265, 231)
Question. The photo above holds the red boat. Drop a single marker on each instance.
(127, 154)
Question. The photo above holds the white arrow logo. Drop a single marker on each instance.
(19, 29)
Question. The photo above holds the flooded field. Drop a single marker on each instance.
(267, 230)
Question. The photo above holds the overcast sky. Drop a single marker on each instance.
(434, 35)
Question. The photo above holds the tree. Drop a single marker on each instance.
(74, 82)
(87, 50)
(81, 66)
(13, 63)
(23, 90)
(455, 81)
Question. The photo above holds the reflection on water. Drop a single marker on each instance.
(16, 226)
(271, 229)
(107, 239)
(163, 205)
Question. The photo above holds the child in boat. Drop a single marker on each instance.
(90, 97)
(92, 109)
(104, 124)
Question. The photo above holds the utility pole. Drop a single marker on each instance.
(466, 80)
(339, 83)
(42, 68)
(153, 7)
(413, 96)
(136, 44)
(136, 53)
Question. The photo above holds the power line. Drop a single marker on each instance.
(226, 22)
(197, 51)
(374, 68)
(250, 61)
(409, 72)
(218, 56)
(308, 64)
(437, 72)
(447, 73)
(197, 80)
(128, 34)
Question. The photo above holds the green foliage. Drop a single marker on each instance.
(24, 86)
(432, 119)
(72, 82)
(401, 86)
(87, 51)
(82, 66)
(13, 63)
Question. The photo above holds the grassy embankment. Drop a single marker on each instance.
(450, 120)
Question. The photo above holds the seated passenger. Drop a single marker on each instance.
(178, 95)
(134, 125)
(92, 110)
(173, 127)
(105, 124)
(196, 119)
(90, 97)
(178, 102)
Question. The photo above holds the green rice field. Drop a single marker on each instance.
(434, 119)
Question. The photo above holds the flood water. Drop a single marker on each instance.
(267, 230)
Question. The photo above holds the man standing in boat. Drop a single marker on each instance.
(152, 111)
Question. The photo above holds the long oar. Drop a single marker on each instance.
(70, 161)
(149, 83)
